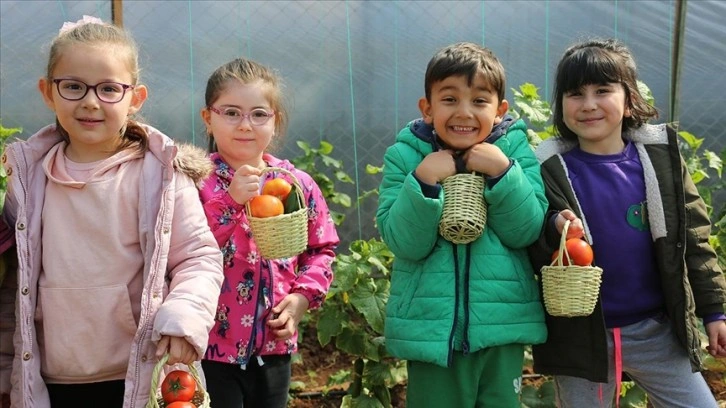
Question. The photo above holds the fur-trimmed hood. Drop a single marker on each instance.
(646, 134)
(193, 161)
(185, 158)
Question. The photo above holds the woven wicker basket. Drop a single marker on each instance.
(569, 290)
(156, 401)
(285, 235)
(465, 213)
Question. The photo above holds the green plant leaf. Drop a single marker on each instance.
(370, 301)
(351, 341)
(542, 397)
(632, 396)
(346, 274)
(5, 133)
(343, 177)
(646, 93)
(373, 170)
(382, 395)
(714, 161)
(693, 142)
(325, 147)
(297, 386)
(362, 401)
(342, 199)
(378, 373)
(304, 146)
(330, 324)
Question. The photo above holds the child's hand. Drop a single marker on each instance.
(436, 167)
(288, 314)
(179, 349)
(575, 230)
(245, 184)
(487, 159)
(716, 338)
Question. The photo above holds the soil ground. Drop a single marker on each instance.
(319, 363)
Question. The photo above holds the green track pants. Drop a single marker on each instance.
(490, 378)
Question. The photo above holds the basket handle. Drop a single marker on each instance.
(298, 187)
(563, 247)
(153, 402)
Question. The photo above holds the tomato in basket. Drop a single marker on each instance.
(181, 404)
(178, 385)
(265, 205)
(580, 252)
(277, 187)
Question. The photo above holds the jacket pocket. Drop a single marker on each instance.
(85, 333)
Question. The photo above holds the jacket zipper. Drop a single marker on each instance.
(465, 341)
(450, 357)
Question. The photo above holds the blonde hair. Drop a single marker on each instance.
(93, 33)
(248, 71)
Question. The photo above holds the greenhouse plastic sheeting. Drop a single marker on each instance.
(354, 70)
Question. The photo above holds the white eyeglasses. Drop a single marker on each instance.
(234, 116)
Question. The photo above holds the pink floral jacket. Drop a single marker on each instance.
(252, 284)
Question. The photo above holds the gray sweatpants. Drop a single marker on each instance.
(653, 358)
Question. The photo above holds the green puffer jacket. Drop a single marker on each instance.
(692, 281)
(465, 297)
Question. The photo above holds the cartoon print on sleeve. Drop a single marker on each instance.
(228, 251)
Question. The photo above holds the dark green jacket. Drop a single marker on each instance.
(692, 281)
(483, 293)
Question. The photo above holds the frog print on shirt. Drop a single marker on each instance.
(637, 216)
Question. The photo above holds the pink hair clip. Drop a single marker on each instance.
(68, 26)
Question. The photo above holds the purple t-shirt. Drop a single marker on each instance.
(611, 192)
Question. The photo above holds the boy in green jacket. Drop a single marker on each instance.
(461, 314)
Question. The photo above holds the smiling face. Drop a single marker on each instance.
(93, 127)
(242, 143)
(462, 113)
(595, 114)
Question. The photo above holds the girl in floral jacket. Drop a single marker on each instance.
(262, 301)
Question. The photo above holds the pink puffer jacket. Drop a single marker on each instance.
(179, 251)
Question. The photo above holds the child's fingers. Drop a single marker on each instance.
(189, 355)
(275, 322)
(568, 215)
(281, 306)
(162, 346)
(287, 331)
(247, 169)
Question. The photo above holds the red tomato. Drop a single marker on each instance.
(580, 252)
(178, 385)
(181, 404)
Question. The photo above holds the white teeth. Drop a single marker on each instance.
(462, 128)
